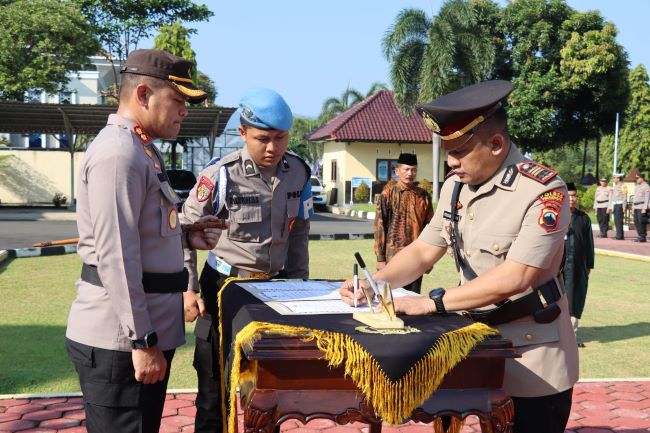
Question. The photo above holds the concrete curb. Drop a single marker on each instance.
(336, 210)
(341, 236)
(57, 250)
(622, 255)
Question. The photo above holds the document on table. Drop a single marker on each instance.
(306, 297)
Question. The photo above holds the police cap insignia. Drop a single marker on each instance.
(536, 171)
(457, 113)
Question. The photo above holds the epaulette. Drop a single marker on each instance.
(536, 171)
(231, 157)
(307, 167)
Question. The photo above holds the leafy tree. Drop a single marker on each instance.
(333, 106)
(310, 151)
(174, 38)
(121, 24)
(40, 42)
(207, 85)
(430, 57)
(634, 138)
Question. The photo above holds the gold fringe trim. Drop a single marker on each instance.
(393, 401)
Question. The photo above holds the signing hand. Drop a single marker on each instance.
(193, 306)
(150, 365)
(347, 292)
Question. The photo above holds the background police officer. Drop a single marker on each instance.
(602, 199)
(618, 204)
(126, 320)
(640, 204)
(504, 218)
(264, 193)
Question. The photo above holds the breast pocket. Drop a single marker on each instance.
(493, 249)
(526, 332)
(245, 223)
(293, 207)
(169, 224)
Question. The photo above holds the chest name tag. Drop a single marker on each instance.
(293, 194)
(447, 215)
(244, 199)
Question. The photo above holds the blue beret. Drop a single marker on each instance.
(265, 109)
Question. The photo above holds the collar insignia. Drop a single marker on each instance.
(141, 133)
(248, 167)
(509, 176)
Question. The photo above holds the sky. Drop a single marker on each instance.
(311, 50)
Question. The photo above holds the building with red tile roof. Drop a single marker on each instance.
(365, 142)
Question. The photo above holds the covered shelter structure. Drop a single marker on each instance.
(75, 120)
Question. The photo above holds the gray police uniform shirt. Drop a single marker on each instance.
(641, 198)
(265, 233)
(513, 216)
(127, 225)
(619, 195)
(603, 197)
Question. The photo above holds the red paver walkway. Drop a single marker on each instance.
(627, 245)
(598, 407)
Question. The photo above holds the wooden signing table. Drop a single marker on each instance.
(283, 375)
(288, 378)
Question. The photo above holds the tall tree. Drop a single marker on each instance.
(430, 57)
(634, 138)
(175, 39)
(121, 24)
(333, 106)
(310, 151)
(41, 41)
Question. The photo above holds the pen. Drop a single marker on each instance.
(372, 282)
(355, 271)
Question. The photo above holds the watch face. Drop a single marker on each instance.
(435, 293)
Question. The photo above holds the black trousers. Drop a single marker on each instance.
(548, 414)
(618, 220)
(415, 286)
(641, 226)
(113, 400)
(603, 221)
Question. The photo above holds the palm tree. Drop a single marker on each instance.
(333, 106)
(431, 57)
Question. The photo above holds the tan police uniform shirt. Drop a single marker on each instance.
(641, 196)
(619, 195)
(512, 216)
(265, 233)
(602, 197)
(127, 225)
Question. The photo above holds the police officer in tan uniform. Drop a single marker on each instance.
(618, 204)
(126, 320)
(264, 194)
(640, 204)
(602, 199)
(503, 218)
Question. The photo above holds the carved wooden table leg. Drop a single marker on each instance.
(258, 421)
(500, 419)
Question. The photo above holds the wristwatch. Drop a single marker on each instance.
(150, 339)
(436, 296)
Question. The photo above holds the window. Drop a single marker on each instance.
(65, 97)
(333, 172)
(33, 96)
(386, 169)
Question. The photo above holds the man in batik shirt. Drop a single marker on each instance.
(403, 210)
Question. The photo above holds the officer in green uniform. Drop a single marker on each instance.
(264, 194)
(503, 218)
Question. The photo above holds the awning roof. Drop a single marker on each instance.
(24, 118)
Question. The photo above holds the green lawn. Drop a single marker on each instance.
(36, 294)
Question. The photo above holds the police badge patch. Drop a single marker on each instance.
(549, 218)
(204, 189)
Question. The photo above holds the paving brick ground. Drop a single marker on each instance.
(598, 407)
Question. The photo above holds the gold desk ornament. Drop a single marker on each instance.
(386, 318)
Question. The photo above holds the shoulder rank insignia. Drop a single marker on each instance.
(536, 171)
(142, 135)
(204, 189)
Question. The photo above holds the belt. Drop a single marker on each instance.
(152, 282)
(541, 303)
(224, 268)
(602, 201)
(638, 202)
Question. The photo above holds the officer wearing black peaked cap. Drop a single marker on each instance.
(503, 217)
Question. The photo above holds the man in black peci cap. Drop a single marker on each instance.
(503, 218)
(403, 210)
(127, 318)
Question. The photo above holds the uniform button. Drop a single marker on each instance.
(496, 247)
(468, 254)
(529, 337)
(470, 216)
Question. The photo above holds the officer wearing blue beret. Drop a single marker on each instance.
(264, 193)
